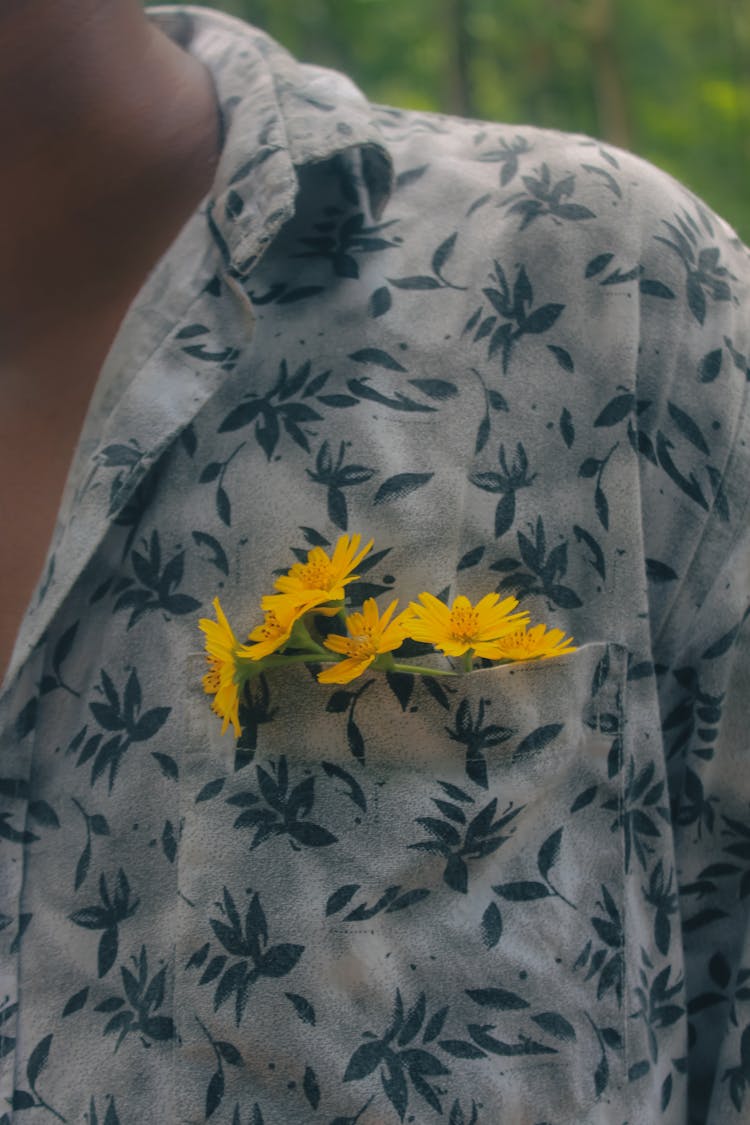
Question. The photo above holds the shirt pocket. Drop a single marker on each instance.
(409, 895)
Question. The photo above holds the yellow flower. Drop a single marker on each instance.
(369, 635)
(324, 575)
(219, 681)
(532, 644)
(461, 627)
(281, 615)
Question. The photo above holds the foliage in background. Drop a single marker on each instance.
(667, 79)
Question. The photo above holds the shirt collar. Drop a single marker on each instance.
(277, 115)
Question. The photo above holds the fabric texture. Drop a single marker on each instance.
(518, 360)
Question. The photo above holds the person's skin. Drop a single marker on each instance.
(109, 136)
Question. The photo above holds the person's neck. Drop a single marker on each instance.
(107, 128)
(85, 77)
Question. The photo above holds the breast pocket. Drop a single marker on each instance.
(401, 898)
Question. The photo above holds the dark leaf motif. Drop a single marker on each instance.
(364, 1060)
(339, 899)
(659, 571)
(210, 789)
(166, 764)
(82, 866)
(709, 367)
(523, 891)
(583, 799)
(566, 427)
(22, 1099)
(505, 513)
(413, 1021)
(460, 1049)
(537, 740)
(638, 1070)
(541, 319)
(616, 409)
(666, 1093)
(688, 428)
(589, 468)
(438, 389)
(43, 814)
(362, 389)
(407, 899)
(688, 485)
(597, 559)
(549, 853)
(229, 1053)
(401, 485)
(214, 1092)
(555, 1024)
(722, 646)
(38, 1060)
(302, 1007)
(418, 281)
(311, 835)
(223, 507)
(107, 952)
(76, 1002)
(380, 301)
(703, 918)
(213, 469)
(354, 790)
(696, 298)
(310, 1087)
(280, 960)
(597, 265)
(573, 211)
(562, 356)
(402, 685)
(492, 926)
(498, 998)
(354, 739)
(601, 1075)
(149, 724)
(601, 505)
(339, 702)
(410, 175)
(471, 558)
(443, 253)
(394, 1084)
(213, 969)
(26, 719)
(218, 556)
(64, 647)
(650, 287)
(169, 841)
(435, 1025)
(376, 357)
(456, 874)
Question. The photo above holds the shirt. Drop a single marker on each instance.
(517, 360)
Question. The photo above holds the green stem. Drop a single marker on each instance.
(250, 669)
(418, 671)
(467, 660)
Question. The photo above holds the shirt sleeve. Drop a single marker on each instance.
(694, 440)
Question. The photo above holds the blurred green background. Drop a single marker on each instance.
(667, 79)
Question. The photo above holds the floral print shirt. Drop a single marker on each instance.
(518, 360)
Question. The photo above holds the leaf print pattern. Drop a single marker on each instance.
(517, 894)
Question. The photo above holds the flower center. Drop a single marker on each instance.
(362, 645)
(464, 622)
(316, 575)
(271, 627)
(212, 679)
